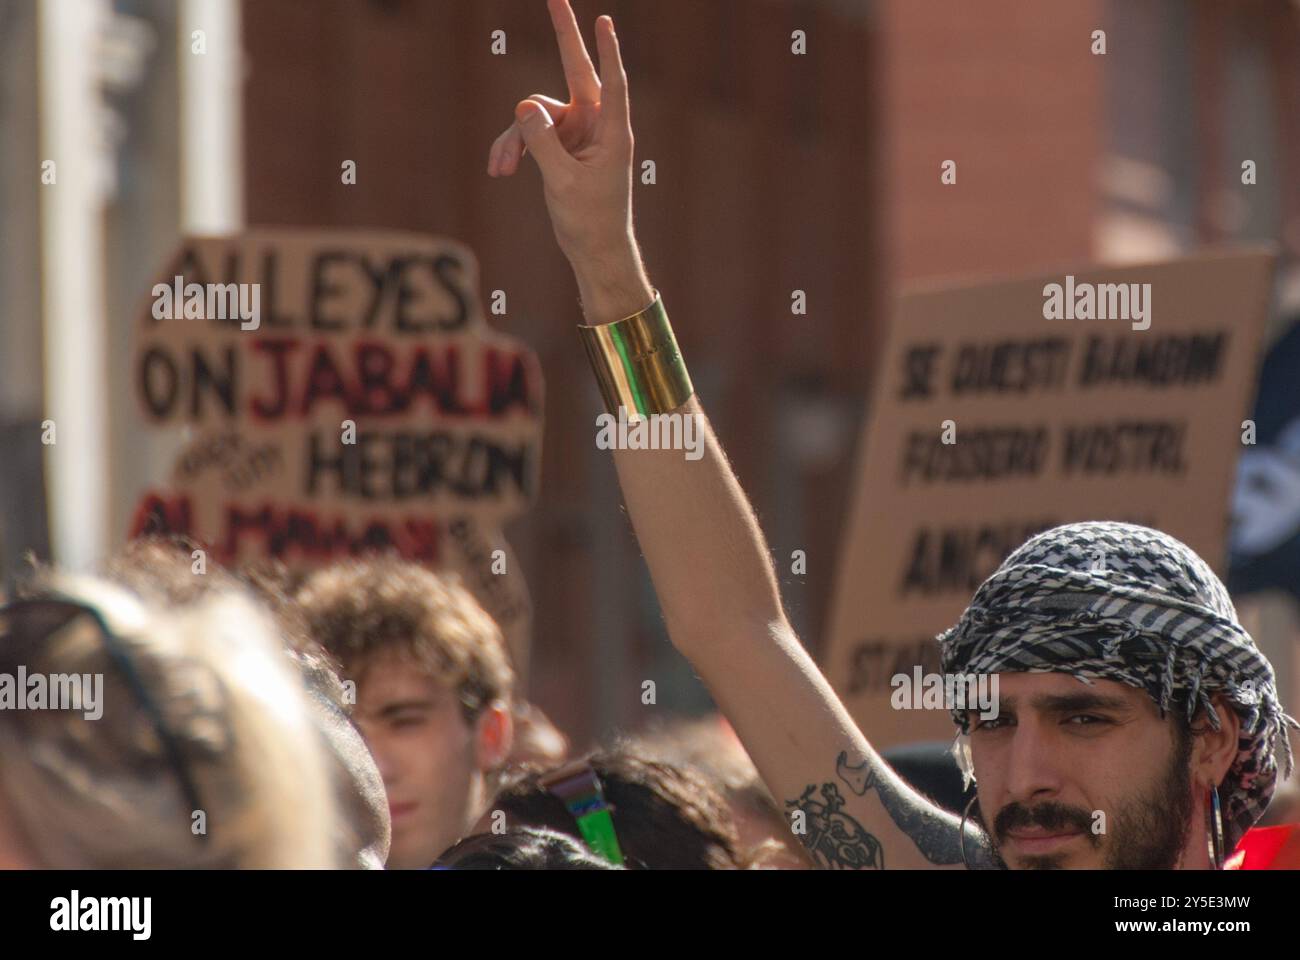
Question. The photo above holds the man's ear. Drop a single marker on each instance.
(494, 734)
(1214, 751)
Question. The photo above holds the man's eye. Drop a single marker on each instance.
(993, 723)
(402, 723)
(1085, 720)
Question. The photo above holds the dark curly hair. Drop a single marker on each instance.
(665, 816)
(526, 848)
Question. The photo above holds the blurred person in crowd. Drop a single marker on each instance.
(537, 740)
(525, 848)
(1128, 689)
(361, 788)
(201, 751)
(168, 568)
(433, 692)
(709, 745)
(661, 815)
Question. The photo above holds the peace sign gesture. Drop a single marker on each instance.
(584, 151)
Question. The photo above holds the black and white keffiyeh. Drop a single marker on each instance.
(1117, 601)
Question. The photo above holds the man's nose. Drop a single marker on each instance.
(1035, 765)
(384, 760)
(387, 764)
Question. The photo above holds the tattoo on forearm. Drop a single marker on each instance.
(933, 836)
(837, 841)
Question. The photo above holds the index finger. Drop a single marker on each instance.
(584, 86)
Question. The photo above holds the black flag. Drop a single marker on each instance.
(1265, 548)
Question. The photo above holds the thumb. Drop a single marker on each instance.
(538, 131)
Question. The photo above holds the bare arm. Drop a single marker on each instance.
(711, 569)
(706, 554)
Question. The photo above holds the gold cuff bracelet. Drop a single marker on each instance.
(637, 363)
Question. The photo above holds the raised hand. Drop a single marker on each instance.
(583, 149)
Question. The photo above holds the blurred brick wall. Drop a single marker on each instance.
(1010, 91)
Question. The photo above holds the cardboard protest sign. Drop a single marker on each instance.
(340, 392)
(1004, 409)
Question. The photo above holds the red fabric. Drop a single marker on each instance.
(1267, 848)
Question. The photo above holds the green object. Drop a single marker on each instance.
(578, 787)
(597, 829)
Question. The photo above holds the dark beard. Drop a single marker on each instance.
(1149, 832)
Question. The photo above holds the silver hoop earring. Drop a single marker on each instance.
(961, 829)
(1216, 828)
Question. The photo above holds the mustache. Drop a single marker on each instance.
(1048, 816)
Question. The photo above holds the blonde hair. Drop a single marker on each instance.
(105, 793)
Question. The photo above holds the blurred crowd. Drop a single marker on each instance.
(359, 715)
